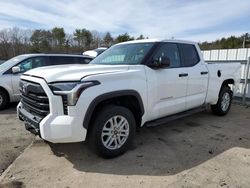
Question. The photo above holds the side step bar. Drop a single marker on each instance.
(167, 119)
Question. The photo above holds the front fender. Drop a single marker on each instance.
(110, 95)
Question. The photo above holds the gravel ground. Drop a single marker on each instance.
(202, 150)
(13, 138)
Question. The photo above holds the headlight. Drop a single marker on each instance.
(63, 86)
(71, 90)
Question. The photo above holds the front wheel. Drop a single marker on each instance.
(224, 102)
(112, 131)
(3, 100)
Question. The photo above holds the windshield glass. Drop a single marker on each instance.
(11, 62)
(124, 54)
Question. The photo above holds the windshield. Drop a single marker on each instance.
(124, 54)
(11, 62)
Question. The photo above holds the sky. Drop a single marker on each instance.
(197, 20)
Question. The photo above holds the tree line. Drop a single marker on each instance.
(17, 41)
(242, 41)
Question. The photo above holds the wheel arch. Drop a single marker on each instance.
(116, 97)
(226, 83)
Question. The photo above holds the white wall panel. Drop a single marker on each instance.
(226, 54)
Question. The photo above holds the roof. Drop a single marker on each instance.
(101, 48)
(43, 54)
(158, 40)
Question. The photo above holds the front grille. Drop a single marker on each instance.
(65, 104)
(34, 99)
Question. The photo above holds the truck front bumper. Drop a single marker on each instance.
(30, 122)
(56, 127)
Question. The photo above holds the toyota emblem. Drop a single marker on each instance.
(24, 88)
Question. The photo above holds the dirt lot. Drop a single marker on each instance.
(13, 138)
(197, 151)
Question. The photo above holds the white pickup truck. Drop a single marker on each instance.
(132, 84)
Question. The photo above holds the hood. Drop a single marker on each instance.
(73, 72)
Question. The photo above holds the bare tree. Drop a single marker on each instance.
(97, 40)
(4, 44)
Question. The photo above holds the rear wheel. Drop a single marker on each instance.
(3, 100)
(224, 102)
(112, 131)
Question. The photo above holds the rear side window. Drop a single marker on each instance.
(83, 60)
(189, 54)
(62, 60)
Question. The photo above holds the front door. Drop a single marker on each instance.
(167, 87)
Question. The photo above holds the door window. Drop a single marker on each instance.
(190, 56)
(83, 60)
(32, 63)
(170, 51)
(62, 60)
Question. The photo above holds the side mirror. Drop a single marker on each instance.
(16, 70)
(161, 62)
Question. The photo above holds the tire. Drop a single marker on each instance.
(3, 100)
(104, 139)
(224, 102)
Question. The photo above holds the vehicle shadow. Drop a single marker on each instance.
(169, 149)
(11, 109)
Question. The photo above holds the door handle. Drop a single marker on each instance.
(204, 72)
(183, 74)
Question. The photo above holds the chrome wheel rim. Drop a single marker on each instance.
(115, 132)
(225, 101)
(1, 100)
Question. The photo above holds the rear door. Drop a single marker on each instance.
(197, 76)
